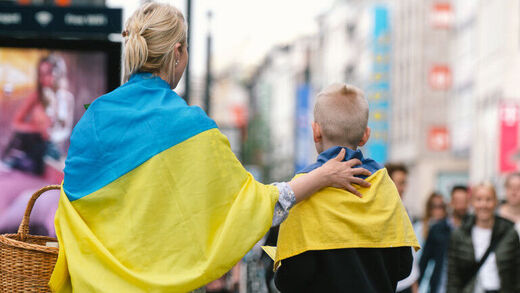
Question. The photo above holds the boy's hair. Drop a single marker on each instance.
(341, 110)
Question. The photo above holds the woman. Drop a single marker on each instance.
(511, 208)
(500, 270)
(434, 211)
(31, 125)
(153, 199)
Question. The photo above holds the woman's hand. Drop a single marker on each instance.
(341, 174)
(334, 173)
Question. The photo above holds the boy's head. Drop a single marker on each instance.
(340, 118)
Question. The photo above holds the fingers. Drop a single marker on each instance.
(359, 182)
(361, 171)
(351, 189)
(341, 156)
(352, 162)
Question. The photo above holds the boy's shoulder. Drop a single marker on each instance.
(367, 163)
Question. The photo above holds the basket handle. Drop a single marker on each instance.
(23, 229)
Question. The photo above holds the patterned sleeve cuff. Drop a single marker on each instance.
(285, 202)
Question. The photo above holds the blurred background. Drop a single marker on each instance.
(440, 77)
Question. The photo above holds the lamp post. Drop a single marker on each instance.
(207, 90)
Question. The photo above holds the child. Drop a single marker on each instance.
(337, 242)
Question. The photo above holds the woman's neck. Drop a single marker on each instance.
(511, 212)
(485, 224)
(513, 209)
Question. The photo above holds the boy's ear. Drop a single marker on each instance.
(316, 132)
(365, 138)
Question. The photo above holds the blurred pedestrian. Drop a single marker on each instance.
(434, 211)
(484, 253)
(433, 264)
(511, 208)
(399, 174)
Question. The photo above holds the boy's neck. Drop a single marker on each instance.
(328, 145)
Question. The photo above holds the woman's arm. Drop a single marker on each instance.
(334, 173)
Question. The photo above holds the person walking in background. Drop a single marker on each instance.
(434, 211)
(484, 253)
(511, 208)
(432, 262)
(399, 174)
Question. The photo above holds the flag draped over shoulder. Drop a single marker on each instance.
(333, 218)
(153, 199)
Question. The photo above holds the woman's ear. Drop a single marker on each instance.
(177, 51)
(316, 132)
(365, 138)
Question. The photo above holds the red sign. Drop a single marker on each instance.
(440, 77)
(508, 137)
(438, 139)
(442, 15)
(240, 115)
(62, 2)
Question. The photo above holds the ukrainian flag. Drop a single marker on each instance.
(334, 218)
(153, 199)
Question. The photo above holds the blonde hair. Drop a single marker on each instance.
(485, 185)
(150, 37)
(341, 110)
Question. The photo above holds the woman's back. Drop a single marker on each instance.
(124, 128)
(155, 199)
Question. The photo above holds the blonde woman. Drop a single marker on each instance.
(484, 253)
(153, 199)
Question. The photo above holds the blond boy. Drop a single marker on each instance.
(337, 242)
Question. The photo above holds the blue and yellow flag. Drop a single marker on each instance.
(334, 218)
(153, 199)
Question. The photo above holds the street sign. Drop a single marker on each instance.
(442, 15)
(53, 20)
(509, 119)
(438, 138)
(440, 77)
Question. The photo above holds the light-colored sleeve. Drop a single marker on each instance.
(285, 202)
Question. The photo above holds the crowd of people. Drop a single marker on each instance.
(469, 243)
(469, 239)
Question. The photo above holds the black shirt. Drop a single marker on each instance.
(358, 270)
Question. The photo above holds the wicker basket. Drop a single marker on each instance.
(26, 263)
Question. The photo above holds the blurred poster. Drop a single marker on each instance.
(378, 89)
(303, 148)
(42, 94)
(509, 118)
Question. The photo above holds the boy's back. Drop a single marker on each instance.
(335, 241)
